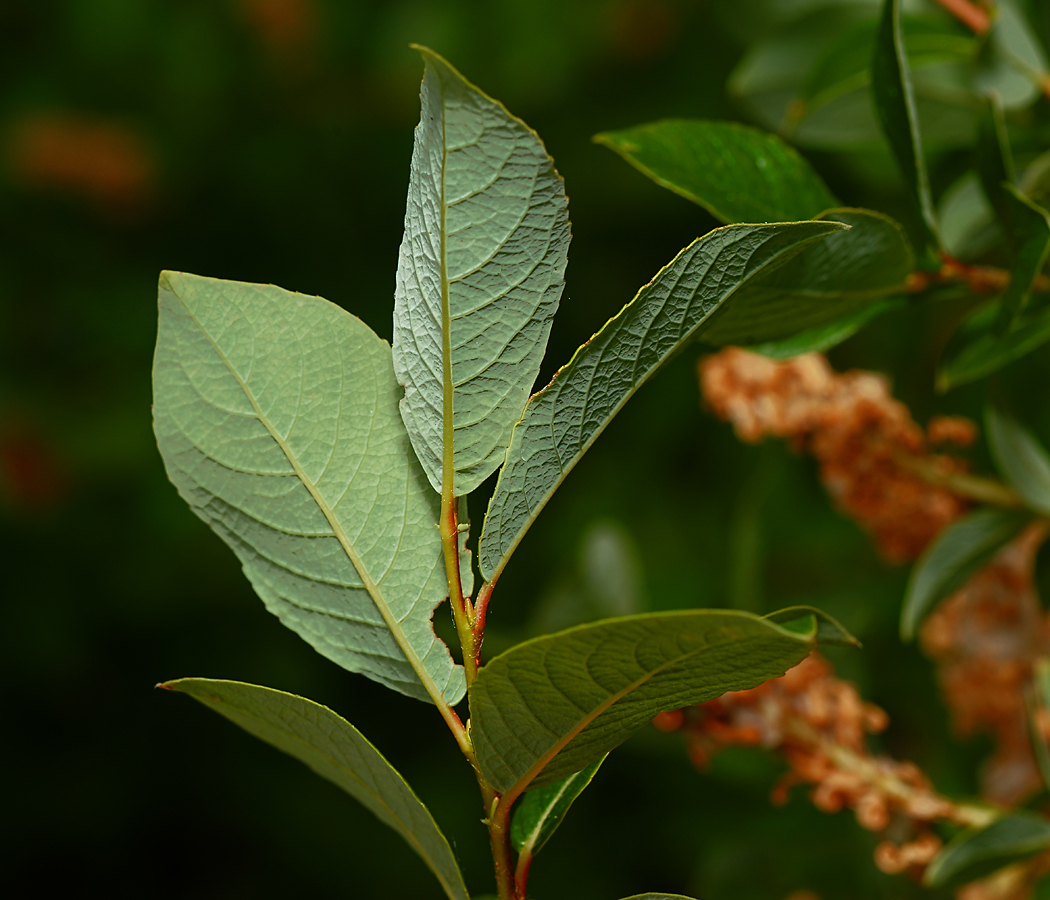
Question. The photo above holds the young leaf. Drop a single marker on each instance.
(276, 415)
(737, 173)
(895, 106)
(1029, 225)
(539, 813)
(978, 851)
(1021, 459)
(955, 554)
(824, 337)
(551, 706)
(562, 421)
(335, 750)
(478, 279)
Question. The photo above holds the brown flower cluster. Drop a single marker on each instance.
(867, 443)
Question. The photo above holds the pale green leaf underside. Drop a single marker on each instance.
(335, 750)
(551, 706)
(562, 421)
(977, 852)
(276, 414)
(539, 813)
(479, 276)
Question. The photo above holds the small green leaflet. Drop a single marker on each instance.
(562, 421)
(1021, 459)
(895, 106)
(548, 707)
(737, 173)
(479, 277)
(276, 415)
(955, 554)
(335, 750)
(978, 852)
(539, 813)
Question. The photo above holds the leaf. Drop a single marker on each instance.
(978, 851)
(1014, 64)
(1038, 701)
(737, 173)
(562, 421)
(969, 227)
(807, 620)
(550, 706)
(276, 415)
(824, 337)
(840, 275)
(335, 750)
(995, 165)
(658, 897)
(1021, 459)
(895, 106)
(539, 813)
(1029, 225)
(479, 277)
(954, 555)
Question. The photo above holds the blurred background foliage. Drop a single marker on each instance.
(269, 141)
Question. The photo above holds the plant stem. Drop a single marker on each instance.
(461, 608)
(979, 279)
(502, 852)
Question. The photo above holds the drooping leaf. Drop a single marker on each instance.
(995, 165)
(1035, 180)
(824, 337)
(737, 173)
(562, 421)
(539, 813)
(840, 275)
(479, 277)
(815, 623)
(955, 554)
(979, 851)
(335, 750)
(1029, 226)
(969, 226)
(1020, 457)
(551, 706)
(276, 415)
(895, 105)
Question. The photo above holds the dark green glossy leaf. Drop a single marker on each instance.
(978, 852)
(335, 750)
(1021, 459)
(955, 554)
(737, 173)
(539, 813)
(824, 337)
(553, 705)
(562, 421)
(895, 105)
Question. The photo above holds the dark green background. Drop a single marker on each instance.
(289, 164)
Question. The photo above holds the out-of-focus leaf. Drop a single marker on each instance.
(811, 621)
(1038, 713)
(824, 337)
(658, 897)
(562, 421)
(539, 813)
(979, 851)
(1013, 64)
(840, 275)
(479, 277)
(955, 554)
(276, 415)
(551, 706)
(895, 104)
(1035, 180)
(737, 173)
(335, 750)
(1021, 459)
(1030, 228)
(995, 164)
(969, 227)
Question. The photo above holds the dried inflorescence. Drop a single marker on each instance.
(867, 443)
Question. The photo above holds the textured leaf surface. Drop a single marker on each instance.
(553, 705)
(478, 279)
(276, 415)
(335, 750)
(737, 173)
(981, 348)
(562, 421)
(1020, 458)
(840, 275)
(824, 337)
(957, 553)
(977, 852)
(895, 105)
(539, 813)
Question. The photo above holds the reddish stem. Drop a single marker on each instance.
(971, 15)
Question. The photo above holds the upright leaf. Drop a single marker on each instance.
(1020, 458)
(335, 750)
(895, 106)
(551, 706)
(539, 813)
(562, 421)
(478, 279)
(276, 415)
(955, 554)
(979, 851)
(995, 165)
(737, 173)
